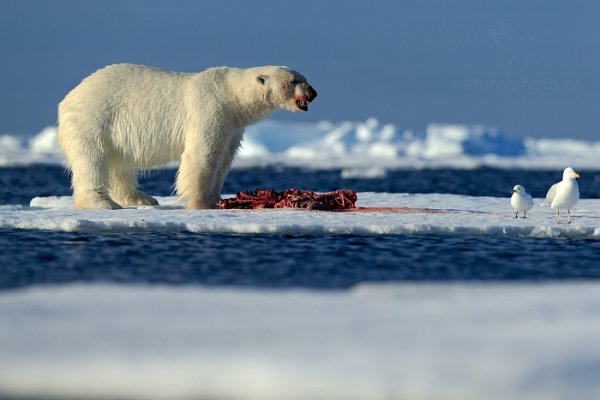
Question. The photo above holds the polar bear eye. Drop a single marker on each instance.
(261, 79)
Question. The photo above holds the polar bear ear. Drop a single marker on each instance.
(262, 79)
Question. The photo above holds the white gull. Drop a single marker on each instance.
(521, 200)
(563, 194)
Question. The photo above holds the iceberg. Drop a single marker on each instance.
(456, 140)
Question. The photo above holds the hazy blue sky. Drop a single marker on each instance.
(530, 67)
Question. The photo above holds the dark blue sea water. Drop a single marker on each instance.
(19, 185)
(30, 257)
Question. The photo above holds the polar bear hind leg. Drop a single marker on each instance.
(85, 159)
(90, 182)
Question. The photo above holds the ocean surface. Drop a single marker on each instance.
(18, 185)
(34, 257)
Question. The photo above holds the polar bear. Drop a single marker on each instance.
(124, 118)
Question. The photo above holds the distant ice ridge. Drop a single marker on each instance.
(22, 150)
(395, 341)
(356, 146)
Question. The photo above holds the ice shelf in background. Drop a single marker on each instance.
(397, 341)
(460, 215)
(366, 144)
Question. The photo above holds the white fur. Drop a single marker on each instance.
(125, 118)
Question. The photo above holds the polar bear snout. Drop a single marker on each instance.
(307, 95)
(311, 93)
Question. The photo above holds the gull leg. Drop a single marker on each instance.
(517, 214)
(557, 216)
(524, 214)
(569, 212)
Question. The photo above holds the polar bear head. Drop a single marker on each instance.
(283, 87)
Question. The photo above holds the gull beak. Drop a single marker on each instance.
(575, 175)
(512, 191)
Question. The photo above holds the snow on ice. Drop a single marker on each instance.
(455, 215)
(373, 342)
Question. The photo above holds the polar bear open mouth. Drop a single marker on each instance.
(302, 104)
(301, 99)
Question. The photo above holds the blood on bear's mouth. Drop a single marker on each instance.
(303, 100)
(302, 104)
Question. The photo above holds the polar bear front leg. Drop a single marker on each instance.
(223, 164)
(195, 182)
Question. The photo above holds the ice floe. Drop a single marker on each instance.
(442, 214)
(466, 342)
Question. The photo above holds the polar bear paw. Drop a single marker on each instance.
(138, 198)
(94, 200)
